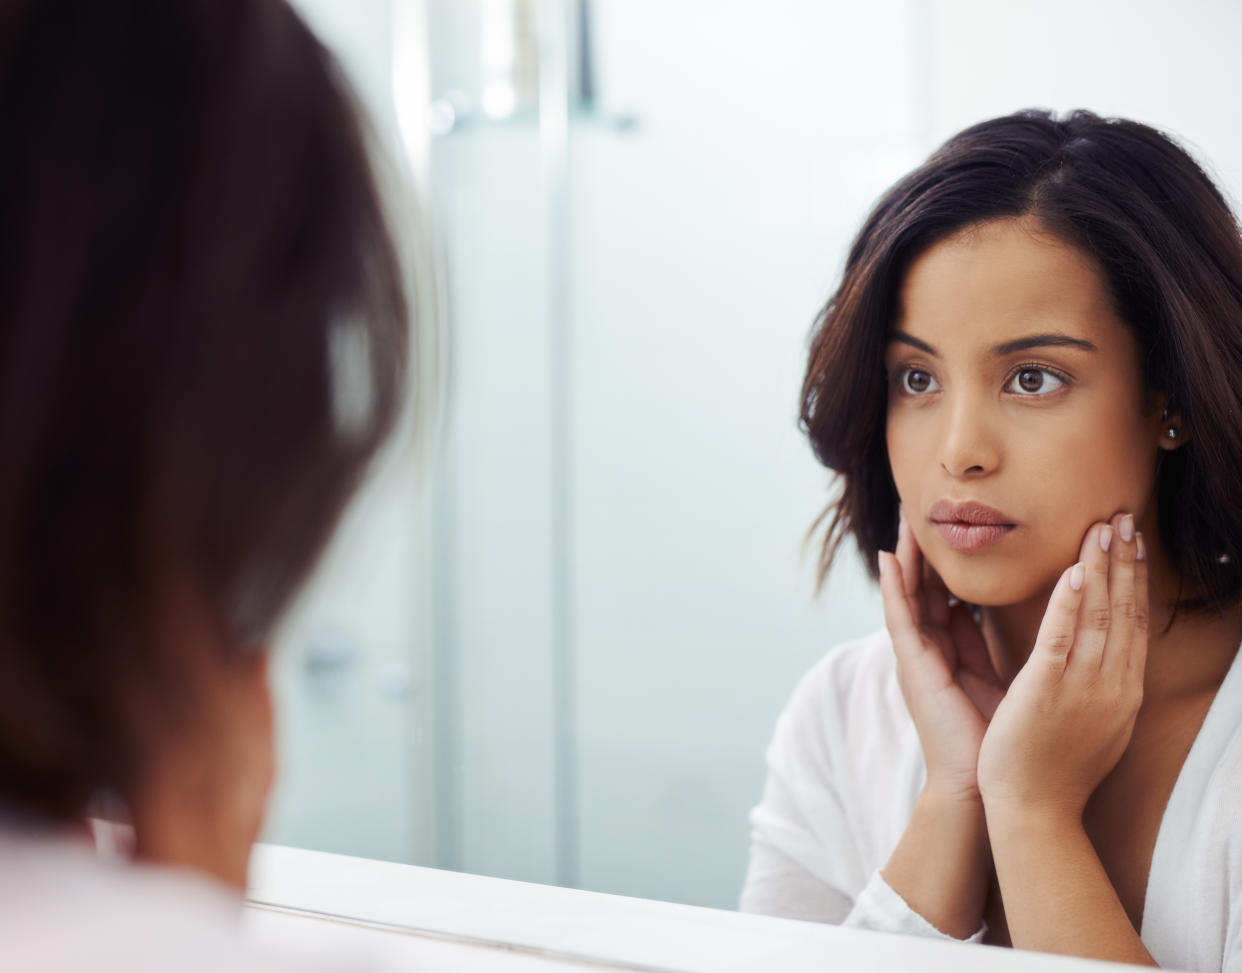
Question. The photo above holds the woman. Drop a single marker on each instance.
(202, 346)
(1029, 381)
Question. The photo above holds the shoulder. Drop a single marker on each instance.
(1213, 769)
(1193, 915)
(1221, 737)
(848, 703)
(63, 907)
(854, 680)
(844, 766)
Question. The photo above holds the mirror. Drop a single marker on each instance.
(558, 657)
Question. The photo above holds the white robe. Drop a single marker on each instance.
(844, 771)
(65, 907)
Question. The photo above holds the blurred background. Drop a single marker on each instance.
(556, 653)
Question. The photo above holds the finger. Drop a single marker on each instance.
(1094, 617)
(935, 597)
(897, 616)
(985, 695)
(914, 653)
(1122, 600)
(1058, 632)
(972, 648)
(910, 558)
(975, 674)
(1142, 613)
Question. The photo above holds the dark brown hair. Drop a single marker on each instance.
(1170, 251)
(203, 342)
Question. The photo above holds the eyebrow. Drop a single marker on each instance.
(1051, 339)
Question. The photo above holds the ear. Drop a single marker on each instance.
(1171, 430)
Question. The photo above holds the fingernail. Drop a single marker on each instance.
(1106, 537)
(1077, 574)
(1142, 548)
(882, 562)
(1127, 528)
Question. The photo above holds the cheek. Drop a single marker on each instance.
(1070, 482)
(1107, 465)
(911, 456)
(1086, 469)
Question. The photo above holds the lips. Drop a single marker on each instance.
(968, 526)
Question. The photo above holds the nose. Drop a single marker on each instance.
(969, 446)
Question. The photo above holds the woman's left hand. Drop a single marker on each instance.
(1068, 715)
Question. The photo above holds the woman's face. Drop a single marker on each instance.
(1014, 385)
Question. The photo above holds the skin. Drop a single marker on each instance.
(201, 797)
(1053, 731)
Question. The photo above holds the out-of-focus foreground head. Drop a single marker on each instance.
(203, 342)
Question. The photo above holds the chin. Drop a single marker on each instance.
(988, 584)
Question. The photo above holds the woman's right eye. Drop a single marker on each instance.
(915, 381)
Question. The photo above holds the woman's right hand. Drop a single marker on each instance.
(943, 668)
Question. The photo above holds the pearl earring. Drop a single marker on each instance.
(1171, 432)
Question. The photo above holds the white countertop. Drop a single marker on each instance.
(407, 917)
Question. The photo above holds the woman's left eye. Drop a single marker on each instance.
(1034, 381)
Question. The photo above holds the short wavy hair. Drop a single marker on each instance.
(1170, 251)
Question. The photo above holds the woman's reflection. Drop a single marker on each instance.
(1030, 383)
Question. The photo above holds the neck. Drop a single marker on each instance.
(1010, 632)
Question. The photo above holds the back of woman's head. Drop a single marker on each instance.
(202, 344)
(1168, 248)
